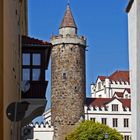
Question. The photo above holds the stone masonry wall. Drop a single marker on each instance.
(68, 87)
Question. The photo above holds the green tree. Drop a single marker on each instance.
(88, 130)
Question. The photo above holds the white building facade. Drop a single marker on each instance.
(110, 104)
(107, 86)
(133, 10)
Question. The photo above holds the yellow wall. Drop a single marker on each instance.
(1, 69)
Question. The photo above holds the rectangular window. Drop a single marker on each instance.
(26, 59)
(92, 119)
(99, 85)
(26, 74)
(126, 137)
(35, 74)
(36, 59)
(126, 122)
(104, 121)
(114, 107)
(115, 122)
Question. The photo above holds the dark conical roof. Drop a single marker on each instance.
(68, 20)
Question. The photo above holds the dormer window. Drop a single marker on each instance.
(114, 107)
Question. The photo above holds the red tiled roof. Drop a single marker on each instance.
(99, 102)
(102, 78)
(126, 102)
(117, 76)
(26, 40)
(119, 94)
(120, 76)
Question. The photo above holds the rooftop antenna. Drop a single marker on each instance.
(68, 1)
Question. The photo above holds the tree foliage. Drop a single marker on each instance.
(88, 130)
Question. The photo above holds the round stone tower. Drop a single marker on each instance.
(68, 80)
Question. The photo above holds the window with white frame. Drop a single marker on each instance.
(114, 107)
(115, 122)
(104, 121)
(126, 122)
(126, 137)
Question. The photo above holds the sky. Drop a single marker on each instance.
(102, 22)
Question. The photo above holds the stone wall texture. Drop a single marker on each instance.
(68, 87)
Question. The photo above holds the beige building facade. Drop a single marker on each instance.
(13, 17)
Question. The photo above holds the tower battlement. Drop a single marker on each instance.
(68, 39)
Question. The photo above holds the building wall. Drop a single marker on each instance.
(98, 114)
(43, 132)
(11, 63)
(24, 17)
(68, 93)
(1, 69)
(91, 113)
(108, 88)
(134, 59)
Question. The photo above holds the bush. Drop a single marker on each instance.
(88, 130)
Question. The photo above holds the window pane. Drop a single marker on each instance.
(26, 74)
(114, 107)
(36, 74)
(36, 59)
(104, 121)
(26, 59)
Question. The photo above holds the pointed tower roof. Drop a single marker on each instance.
(68, 20)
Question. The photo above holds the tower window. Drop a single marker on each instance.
(64, 76)
(63, 46)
